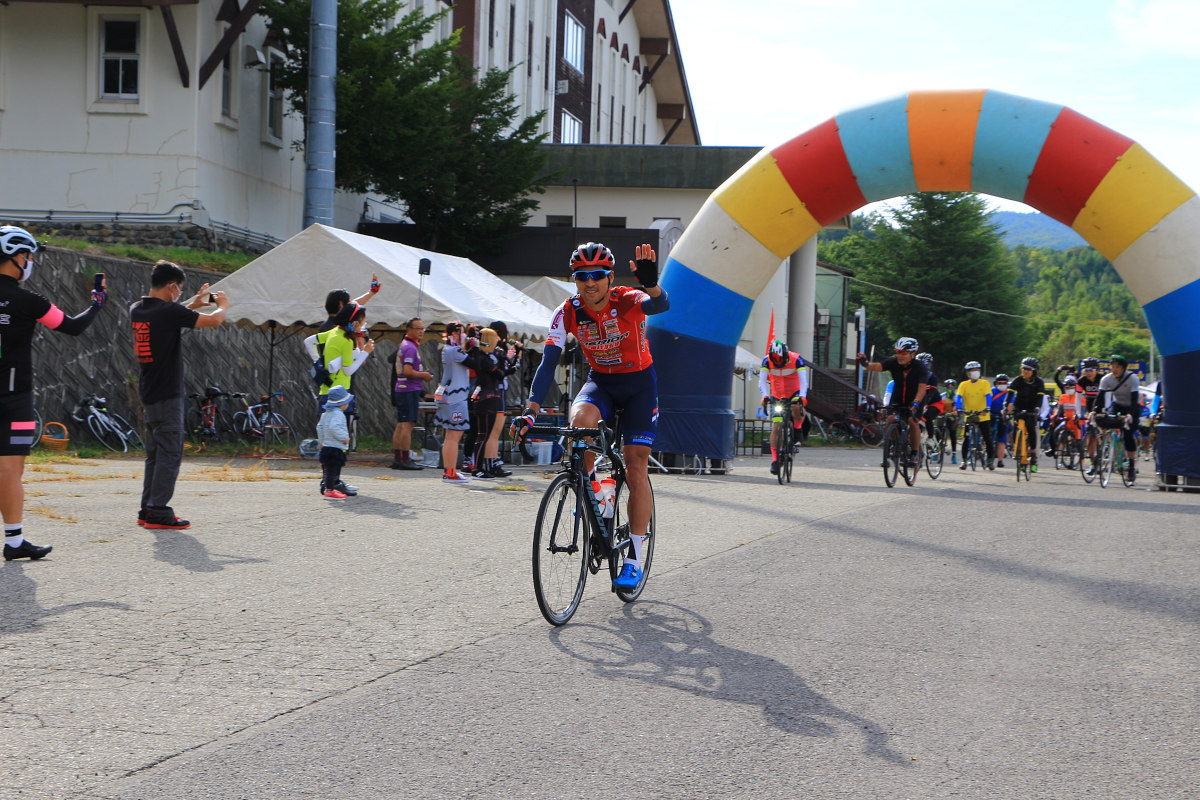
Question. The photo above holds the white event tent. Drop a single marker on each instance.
(287, 285)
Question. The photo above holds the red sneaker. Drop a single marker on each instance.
(334, 494)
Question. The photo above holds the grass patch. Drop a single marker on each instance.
(45, 512)
(184, 256)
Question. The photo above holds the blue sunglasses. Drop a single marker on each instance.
(591, 275)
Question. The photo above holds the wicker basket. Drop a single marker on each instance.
(54, 436)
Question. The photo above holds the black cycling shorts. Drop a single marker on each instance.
(17, 424)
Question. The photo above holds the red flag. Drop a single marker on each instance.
(771, 332)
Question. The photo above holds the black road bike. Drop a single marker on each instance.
(572, 535)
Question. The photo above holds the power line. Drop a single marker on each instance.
(1001, 313)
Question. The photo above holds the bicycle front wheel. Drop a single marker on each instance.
(934, 456)
(621, 531)
(839, 433)
(1089, 466)
(105, 434)
(194, 426)
(561, 542)
(892, 450)
(1020, 452)
(1106, 460)
(785, 451)
(245, 428)
(132, 437)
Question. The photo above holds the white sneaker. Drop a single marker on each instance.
(458, 477)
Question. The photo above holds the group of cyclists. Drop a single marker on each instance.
(1111, 400)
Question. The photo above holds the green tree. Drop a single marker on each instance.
(418, 124)
(940, 246)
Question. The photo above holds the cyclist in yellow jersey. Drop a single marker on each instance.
(972, 398)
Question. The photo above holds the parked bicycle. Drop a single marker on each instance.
(208, 422)
(863, 427)
(111, 430)
(259, 425)
(579, 529)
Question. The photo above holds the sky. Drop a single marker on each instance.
(761, 72)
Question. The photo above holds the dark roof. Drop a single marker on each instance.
(644, 166)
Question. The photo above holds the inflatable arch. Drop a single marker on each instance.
(1102, 184)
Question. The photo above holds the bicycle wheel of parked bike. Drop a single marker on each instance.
(37, 431)
(105, 434)
(195, 428)
(132, 437)
(620, 529)
(893, 449)
(245, 428)
(839, 433)
(561, 546)
(280, 432)
(871, 435)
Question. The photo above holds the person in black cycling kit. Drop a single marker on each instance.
(1028, 400)
(911, 383)
(22, 310)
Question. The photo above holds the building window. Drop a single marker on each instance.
(547, 70)
(559, 221)
(570, 129)
(612, 222)
(512, 34)
(273, 100)
(573, 42)
(529, 52)
(120, 59)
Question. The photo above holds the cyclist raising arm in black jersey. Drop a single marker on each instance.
(20, 311)
(911, 379)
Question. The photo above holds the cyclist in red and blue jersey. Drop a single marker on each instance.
(609, 322)
(783, 377)
(22, 310)
(911, 383)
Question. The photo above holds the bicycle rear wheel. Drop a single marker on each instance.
(561, 542)
(1088, 467)
(620, 523)
(280, 432)
(194, 426)
(245, 428)
(37, 431)
(871, 435)
(105, 434)
(892, 448)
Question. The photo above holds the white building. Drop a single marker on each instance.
(167, 107)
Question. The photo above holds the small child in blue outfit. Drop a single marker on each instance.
(333, 432)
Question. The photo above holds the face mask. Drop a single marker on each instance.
(1002, 386)
(973, 374)
(1070, 390)
(27, 270)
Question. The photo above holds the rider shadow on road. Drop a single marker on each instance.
(669, 646)
(18, 598)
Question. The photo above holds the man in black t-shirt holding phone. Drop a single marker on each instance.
(158, 322)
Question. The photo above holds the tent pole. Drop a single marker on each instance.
(271, 361)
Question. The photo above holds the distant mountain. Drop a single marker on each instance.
(1036, 230)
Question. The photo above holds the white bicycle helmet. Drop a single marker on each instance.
(14, 241)
(973, 365)
(907, 344)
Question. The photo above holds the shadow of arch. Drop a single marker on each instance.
(672, 647)
(1103, 185)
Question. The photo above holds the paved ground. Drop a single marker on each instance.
(963, 638)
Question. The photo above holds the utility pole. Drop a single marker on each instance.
(320, 135)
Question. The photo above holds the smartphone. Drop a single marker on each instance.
(212, 298)
(99, 282)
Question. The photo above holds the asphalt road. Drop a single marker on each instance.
(969, 637)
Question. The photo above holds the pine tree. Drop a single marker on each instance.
(418, 124)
